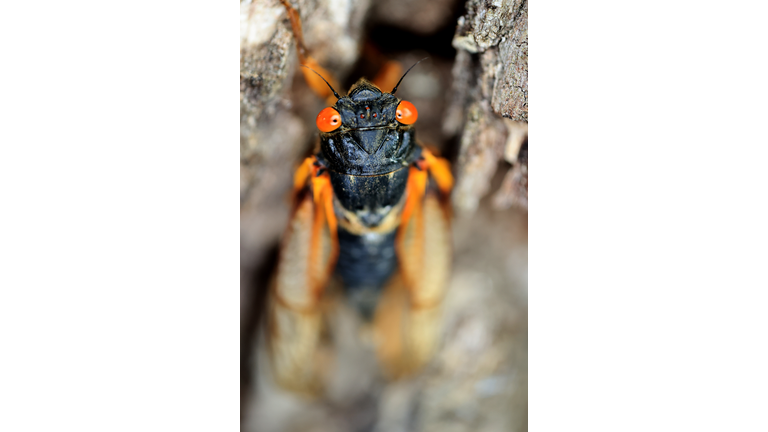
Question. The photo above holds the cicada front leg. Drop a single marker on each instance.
(307, 258)
(408, 318)
(313, 73)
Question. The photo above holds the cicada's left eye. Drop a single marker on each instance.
(406, 113)
(328, 120)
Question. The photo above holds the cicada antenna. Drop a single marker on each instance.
(406, 73)
(329, 85)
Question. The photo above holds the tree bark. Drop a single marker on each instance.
(490, 101)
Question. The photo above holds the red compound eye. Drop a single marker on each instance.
(328, 120)
(406, 113)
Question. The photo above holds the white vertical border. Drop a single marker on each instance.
(648, 216)
(119, 181)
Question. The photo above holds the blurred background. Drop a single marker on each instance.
(472, 97)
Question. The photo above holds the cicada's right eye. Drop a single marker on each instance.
(406, 113)
(328, 120)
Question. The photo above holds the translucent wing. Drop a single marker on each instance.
(409, 314)
(307, 257)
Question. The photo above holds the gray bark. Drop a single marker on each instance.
(490, 103)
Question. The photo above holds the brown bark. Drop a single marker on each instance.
(490, 101)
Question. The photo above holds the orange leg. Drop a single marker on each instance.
(440, 169)
(315, 82)
(388, 75)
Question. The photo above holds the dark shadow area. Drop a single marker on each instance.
(258, 287)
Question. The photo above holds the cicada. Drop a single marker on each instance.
(371, 210)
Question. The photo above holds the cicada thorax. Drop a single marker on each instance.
(368, 158)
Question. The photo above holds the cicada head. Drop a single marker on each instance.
(368, 131)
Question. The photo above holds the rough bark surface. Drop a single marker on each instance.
(491, 79)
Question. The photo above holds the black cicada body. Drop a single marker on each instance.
(371, 212)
